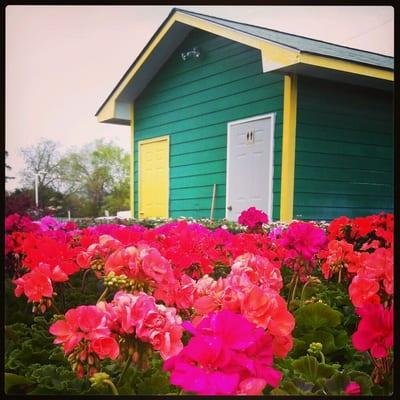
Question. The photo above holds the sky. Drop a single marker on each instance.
(63, 61)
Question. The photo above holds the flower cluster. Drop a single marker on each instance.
(226, 355)
(253, 218)
(301, 242)
(375, 330)
(227, 289)
(85, 334)
(370, 272)
(139, 315)
(90, 333)
(252, 289)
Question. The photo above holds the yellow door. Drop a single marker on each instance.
(154, 177)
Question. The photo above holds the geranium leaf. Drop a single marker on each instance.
(317, 315)
(12, 380)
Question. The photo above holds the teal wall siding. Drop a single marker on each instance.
(192, 102)
(344, 150)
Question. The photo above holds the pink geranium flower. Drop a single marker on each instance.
(253, 218)
(363, 291)
(105, 347)
(35, 284)
(227, 355)
(83, 322)
(353, 388)
(375, 330)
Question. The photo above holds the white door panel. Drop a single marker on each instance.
(250, 165)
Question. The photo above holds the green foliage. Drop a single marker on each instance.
(13, 380)
(317, 315)
(311, 370)
(152, 381)
(30, 353)
(98, 174)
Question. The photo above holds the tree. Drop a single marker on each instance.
(96, 174)
(44, 157)
(8, 168)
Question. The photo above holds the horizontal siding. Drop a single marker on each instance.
(192, 102)
(344, 150)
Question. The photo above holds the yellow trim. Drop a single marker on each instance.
(132, 166)
(104, 114)
(346, 66)
(288, 147)
(146, 141)
(108, 111)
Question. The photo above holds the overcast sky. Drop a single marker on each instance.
(63, 61)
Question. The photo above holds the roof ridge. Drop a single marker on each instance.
(286, 33)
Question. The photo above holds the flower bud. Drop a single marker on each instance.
(92, 371)
(43, 308)
(98, 378)
(83, 355)
(90, 359)
(48, 303)
(145, 364)
(80, 372)
(34, 309)
(314, 347)
(135, 357)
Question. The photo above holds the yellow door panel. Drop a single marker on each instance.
(154, 178)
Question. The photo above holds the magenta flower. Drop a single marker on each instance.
(227, 355)
(353, 388)
(253, 218)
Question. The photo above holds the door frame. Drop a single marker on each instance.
(147, 141)
(272, 117)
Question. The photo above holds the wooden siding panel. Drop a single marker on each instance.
(192, 102)
(344, 150)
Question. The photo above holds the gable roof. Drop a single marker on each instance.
(280, 51)
(304, 44)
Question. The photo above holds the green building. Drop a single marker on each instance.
(250, 116)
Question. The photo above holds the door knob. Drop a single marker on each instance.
(229, 208)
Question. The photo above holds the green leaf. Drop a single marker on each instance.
(341, 339)
(311, 370)
(12, 380)
(155, 384)
(317, 315)
(337, 383)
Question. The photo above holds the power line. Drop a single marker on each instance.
(369, 30)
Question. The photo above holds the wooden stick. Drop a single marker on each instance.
(213, 201)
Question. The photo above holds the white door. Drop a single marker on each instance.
(250, 165)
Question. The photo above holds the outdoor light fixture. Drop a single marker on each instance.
(194, 53)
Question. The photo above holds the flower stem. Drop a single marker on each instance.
(290, 287)
(112, 386)
(340, 275)
(128, 363)
(302, 292)
(295, 287)
(85, 274)
(103, 295)
(322, 357)
(53, 305)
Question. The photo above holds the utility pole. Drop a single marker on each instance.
(37, 186)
